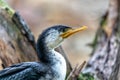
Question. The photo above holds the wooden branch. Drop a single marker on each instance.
(76, 71)
(112, 17)
(24, 28)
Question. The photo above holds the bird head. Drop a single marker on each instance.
(53, 36)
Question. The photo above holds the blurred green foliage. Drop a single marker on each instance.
(7, 8)
(85, 76)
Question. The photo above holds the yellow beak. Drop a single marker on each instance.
(72, 31)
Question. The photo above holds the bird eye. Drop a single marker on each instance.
(66, 29)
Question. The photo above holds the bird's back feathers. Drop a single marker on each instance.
(29, 71)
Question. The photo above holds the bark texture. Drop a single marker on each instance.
(15, 47)
(105, 62)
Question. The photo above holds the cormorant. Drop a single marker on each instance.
(52, 65)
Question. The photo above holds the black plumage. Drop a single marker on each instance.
(24, 71)
(37, 70)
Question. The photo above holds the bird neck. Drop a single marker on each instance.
(52, 58)
(45, 53)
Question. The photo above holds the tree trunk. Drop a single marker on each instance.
(15, 46)
(105, 61)
(116, 69)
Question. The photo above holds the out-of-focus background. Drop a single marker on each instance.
(40, 14)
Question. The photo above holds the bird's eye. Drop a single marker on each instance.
(66, 29)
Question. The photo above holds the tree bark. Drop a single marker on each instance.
(116, 69)
(104, 63)
(14, 45)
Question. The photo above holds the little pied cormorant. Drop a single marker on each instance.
(52, 65)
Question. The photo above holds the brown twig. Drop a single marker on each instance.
(76, 71)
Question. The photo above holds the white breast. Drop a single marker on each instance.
(60, 66)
